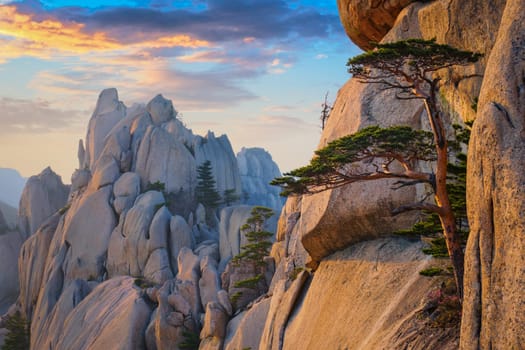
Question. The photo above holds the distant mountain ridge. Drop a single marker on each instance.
(11, 186)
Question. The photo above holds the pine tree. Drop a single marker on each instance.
(251, 259)
(206, 192)
(408, 67)
(258, 245)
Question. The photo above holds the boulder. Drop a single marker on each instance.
(125, 191)
(52, 282)
(257, 170)
(188, 279)
(241, 295)
(158, 269)
(161, 110)
(495, 255)
(173, 319)
(106, 171)
(214, 328)
(81, 154)
(368, 21)
(129, 246)
(42, 196)
(180, 236)
(209, 283)
(3, 223)
(208, 249)
(188, 266)
(161, 158)
(333, 219)
(108, 112)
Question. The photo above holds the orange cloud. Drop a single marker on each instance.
(51, 34)
(25, 36)
(174, 41)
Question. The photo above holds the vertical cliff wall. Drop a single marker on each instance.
(494, 314)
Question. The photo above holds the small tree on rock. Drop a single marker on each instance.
(206, 192)
(408, 67)
(247, 269)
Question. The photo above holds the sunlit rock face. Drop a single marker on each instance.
(128, 238)
(367, 21)
(495, 256)
(108, 112)
(334, 219)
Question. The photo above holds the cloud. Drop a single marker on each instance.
(218, 21)
(190, 91)
(26, 35)
(27, 116)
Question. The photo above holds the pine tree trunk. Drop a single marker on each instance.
(446, 215)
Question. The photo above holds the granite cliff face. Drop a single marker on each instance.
(128, 237)
(495, 277)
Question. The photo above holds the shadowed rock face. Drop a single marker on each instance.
(368, 21)
(43, 195)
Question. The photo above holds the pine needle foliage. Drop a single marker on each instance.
(18, 336)
(258, 238)
(339, 163)
(191, 340)
(407, 64)
(206, 191)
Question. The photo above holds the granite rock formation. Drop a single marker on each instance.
(42, 196)
(128, 239)
(493, 314)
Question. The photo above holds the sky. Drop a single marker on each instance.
(256, 70)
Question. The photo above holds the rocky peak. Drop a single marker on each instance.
(42, 196)
(257, 169)
(108, 112)
(161, 110)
